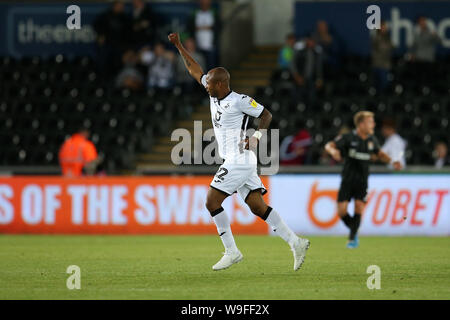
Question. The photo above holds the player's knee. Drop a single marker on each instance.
(258, 209)
(342, 211)
(212, 205)
(359, 209)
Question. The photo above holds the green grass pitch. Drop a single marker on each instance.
(179, 267)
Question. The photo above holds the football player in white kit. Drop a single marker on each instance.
(230, 112)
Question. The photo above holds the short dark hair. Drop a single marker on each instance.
(290, 35)
(420, 16)
(389, 122)
(82, 128)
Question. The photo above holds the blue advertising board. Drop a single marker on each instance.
(40, 28)
(347, 22)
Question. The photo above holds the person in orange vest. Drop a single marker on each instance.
(78, 153)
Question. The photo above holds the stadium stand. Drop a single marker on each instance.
(45, 100)
(421, 111)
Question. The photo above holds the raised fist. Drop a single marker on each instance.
(174, 38)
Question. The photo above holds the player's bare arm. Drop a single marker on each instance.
(333, 151)
(264, 122)
(383, 157)
(195, 70)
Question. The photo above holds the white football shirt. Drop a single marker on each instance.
(395, 146)
(230, 117)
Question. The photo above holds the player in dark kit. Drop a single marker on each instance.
(357, 148)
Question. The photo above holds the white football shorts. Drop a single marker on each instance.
(236, 175)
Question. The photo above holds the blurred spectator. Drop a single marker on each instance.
(394, 145)
(325, 159)
(307, 69)
(324, 39)
(294, 150)
(287, 52)
(425, 42)
(381, 56)
(423, 51)
(160, 66)
(144, 24)
(113, 31)
(183, 77)
(77, 154)
(129, 77)
(440, 154)
(204, 26)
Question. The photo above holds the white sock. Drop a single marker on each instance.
(223, 228)
(280, 228)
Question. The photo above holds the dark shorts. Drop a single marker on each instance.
(352, 190)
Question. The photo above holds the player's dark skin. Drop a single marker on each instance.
(364, 130)
(218, 86)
